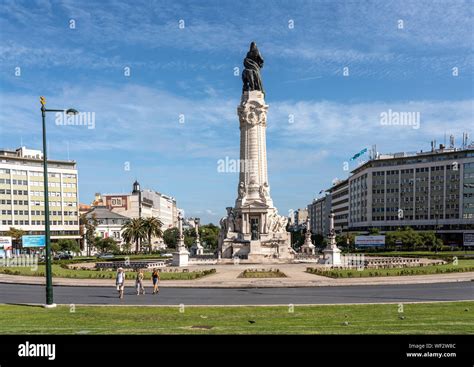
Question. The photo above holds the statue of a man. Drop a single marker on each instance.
(264, 191)
(242, 190)
(251, 77)
(254, 229)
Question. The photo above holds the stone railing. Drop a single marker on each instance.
(202, 260)
(307, 257)
(130, 264)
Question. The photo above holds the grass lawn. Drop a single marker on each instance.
(60, 272)
(428, 318)
(462, 266)
(261, 274)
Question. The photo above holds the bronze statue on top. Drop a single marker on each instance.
(251, 77)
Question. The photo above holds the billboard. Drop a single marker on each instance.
(33, 241)
(370, 241)
(468, 239)
(5, 243)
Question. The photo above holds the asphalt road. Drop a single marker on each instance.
(13, 293)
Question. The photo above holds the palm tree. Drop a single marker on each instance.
(152, 227)
(134, 231)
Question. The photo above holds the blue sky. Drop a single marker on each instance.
(190, 71)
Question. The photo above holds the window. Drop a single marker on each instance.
(116, 201)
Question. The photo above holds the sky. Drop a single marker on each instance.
(160, 81)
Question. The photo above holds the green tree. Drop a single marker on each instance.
(374, 231)
(170, 237)
(16, 235)
(55, 248)
(134, 231)
(68, 245)
(127, 247)
(209, 234)
(341, 240)
(409, 238)
(152, 228)
(106, 244)
(189, 236)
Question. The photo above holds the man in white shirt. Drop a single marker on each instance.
(120, 281)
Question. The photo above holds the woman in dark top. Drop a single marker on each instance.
(155, 277)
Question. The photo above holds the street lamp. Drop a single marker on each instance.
(49, 278)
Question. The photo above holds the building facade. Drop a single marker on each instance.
(318, 212)
(143, 203)
(22, 194)
(109, 224)
(340, 205)
(426, 191)
(300, 217)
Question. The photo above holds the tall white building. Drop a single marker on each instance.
(22, 194)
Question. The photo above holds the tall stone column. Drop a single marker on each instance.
(253, 177)
(197, 248)
(308, 247)
(332, 254)
(181, 255)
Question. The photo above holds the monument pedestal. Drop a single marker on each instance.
(180, 257)
(197, 249)
(308, 248)
(332, 256)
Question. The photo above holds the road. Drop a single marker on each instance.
(21, 293)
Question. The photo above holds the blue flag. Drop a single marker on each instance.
(359, 154)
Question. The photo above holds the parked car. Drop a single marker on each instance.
(105, 256)
(63, 256)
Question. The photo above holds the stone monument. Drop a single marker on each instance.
(253, 229)
(332, 254)
(181, 255)
(196, 248)
(308, 247)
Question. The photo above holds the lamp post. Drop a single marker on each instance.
(49, 278)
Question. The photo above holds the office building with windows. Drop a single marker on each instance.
(431, 190)
(318, 212)
(426, 191)
(22, 194)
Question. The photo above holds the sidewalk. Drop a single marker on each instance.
(227, 277)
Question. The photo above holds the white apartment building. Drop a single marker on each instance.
(22, 194)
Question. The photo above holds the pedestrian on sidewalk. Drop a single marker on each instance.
(120, 281)
(139, 282)
(155, 277)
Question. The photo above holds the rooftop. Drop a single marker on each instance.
(101, 212)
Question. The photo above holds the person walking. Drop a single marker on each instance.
(155, 277)
(139, 282)
(120, 281)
